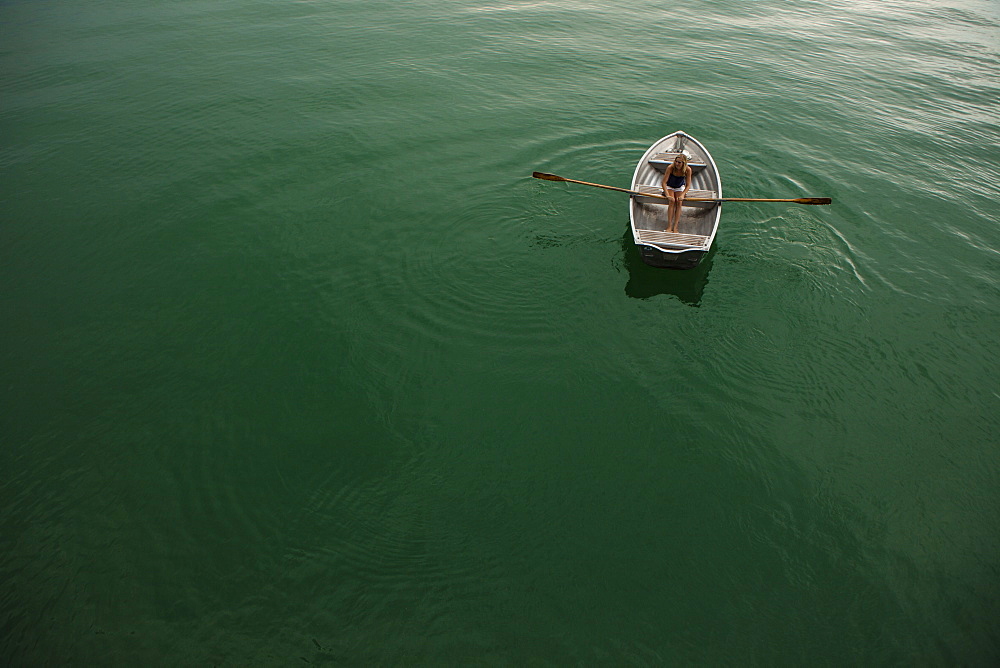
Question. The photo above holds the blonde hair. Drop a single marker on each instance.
(673, 165)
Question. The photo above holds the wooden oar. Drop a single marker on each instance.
(797, 200)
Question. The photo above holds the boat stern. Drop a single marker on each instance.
(664, 259)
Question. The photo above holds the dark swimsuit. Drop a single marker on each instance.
(675, 181)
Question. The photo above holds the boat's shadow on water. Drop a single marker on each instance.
(644, 281)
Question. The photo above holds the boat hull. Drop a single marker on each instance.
(670, 259)
(648, 216)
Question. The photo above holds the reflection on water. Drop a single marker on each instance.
(645, 281)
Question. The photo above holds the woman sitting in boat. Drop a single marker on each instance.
(676, 181)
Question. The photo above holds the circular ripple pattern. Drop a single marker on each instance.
(300, 365)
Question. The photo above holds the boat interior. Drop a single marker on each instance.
(698, 219)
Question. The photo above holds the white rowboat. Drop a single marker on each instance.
(699, 221)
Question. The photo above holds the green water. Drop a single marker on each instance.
(301, 366)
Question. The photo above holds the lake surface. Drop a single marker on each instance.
(301, 366)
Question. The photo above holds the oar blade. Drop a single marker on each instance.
(814, 200)
(547, 177)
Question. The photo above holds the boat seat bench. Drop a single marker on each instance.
(656, 190)
(661, 160)
(694, 241)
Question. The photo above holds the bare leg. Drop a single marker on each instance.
(670, 212)
(673, 212)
